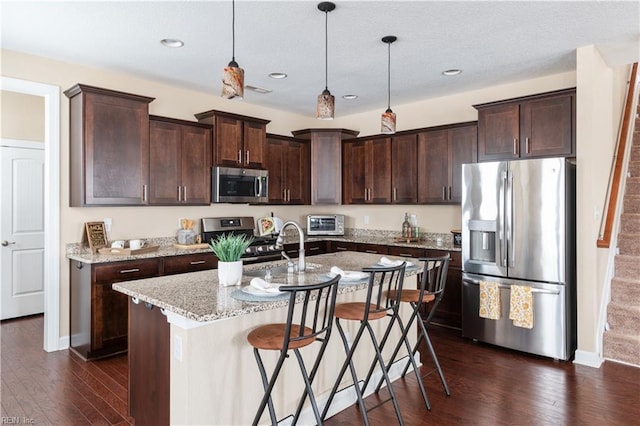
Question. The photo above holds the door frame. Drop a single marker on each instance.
(51, 95)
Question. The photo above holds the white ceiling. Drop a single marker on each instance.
(492, 42)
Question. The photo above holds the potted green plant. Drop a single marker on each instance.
(229, 248)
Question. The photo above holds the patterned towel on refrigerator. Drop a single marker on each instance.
(521, 309)
(489, 300)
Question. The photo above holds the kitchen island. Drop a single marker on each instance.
(213, 376)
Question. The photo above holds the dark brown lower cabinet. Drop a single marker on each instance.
(149, 364)
(335, 246)
(372, 248)
(449, 311)
(98, 314)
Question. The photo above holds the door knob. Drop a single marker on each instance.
(6, 243)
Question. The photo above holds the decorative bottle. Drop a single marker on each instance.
(406, 227)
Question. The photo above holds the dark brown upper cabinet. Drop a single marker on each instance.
(404, 169)
(326, 162)
(441, 153)
(108, 147)
(179, 162)
(288, 163)
(366, 170)
(238, 141)
(528, 127)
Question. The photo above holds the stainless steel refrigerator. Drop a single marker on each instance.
(518, 228)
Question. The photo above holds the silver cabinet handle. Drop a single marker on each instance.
(371, 251)
(179, 193)
(246, 160)
(526, 146)
(144, 192)
(197, 262)
(184, 194)
(6, 243)
(449, 192)
(515, 146)
(395, 194)
(444, 193)
(314, 248)
(129, 271)
(405, 255)
(284, 195)
(240, 156)
(341, 248)
(288, 195)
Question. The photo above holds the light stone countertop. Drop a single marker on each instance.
(197, 295)
(166, 248)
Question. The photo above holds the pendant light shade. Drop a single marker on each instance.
(388, 119)
(326, 101)
(232, 74)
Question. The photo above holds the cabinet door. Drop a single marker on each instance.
(355, 184)
(275, 164)
(449, 311)
(499, 132)
(547, 127)
(164, 162)
(116, 154)
(228, 142)
(254, 144)
(312, 248)
(404, 174)
(379, 170)
(463, 143)
(195, 165)
(297, 172)
(433, 166)
(326, 168)
(108, 320)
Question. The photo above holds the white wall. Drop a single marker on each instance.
(22, 116)
(130, 222)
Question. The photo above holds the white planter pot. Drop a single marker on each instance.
(230, 273)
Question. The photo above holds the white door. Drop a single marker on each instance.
(22, 230)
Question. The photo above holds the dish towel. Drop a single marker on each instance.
(490, 306)
(521, 309)
(385, 261)
(349, 275)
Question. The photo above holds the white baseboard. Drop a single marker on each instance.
(346, 397)
(590, 359)
(63, 343)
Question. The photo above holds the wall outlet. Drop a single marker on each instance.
(366, 220)
(180, 222)
(107, 224)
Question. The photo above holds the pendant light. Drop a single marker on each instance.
(388, 122)
(232, 74)
(326, 101)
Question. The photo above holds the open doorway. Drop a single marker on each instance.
(51, 95)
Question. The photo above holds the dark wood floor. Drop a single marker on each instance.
(489, 386)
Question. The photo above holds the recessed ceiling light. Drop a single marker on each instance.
(349, 97)
(172, 42)
(257, 89)
(277, 75)
(452, 71)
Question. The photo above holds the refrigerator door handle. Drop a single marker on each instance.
(509, 222)
(502, 212)
(508, 287)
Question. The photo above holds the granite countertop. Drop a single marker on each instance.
(197, 295)
(166, 245)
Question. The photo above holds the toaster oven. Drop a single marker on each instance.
(325, 224)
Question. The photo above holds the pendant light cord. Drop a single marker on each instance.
(388, 75)
(233, 30)
(326, 50)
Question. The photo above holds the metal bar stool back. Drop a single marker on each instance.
(375, 307)
(428, 296)
(308, 321)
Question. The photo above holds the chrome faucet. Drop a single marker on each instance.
(301, 262)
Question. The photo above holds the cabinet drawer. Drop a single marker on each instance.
(189, 263)
(407, 251)
(315, 247)
(372, 248)
(125, 271)
(341, 246)
(456, 257)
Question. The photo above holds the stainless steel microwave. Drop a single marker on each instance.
(237, 185)
(325, 224)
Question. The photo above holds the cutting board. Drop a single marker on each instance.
(191, 246)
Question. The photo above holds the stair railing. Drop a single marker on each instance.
(624, 138)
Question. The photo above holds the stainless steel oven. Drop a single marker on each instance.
(237, 185)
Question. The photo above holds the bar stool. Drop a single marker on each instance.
(314, 319)
(375, 307)
(432, 284)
